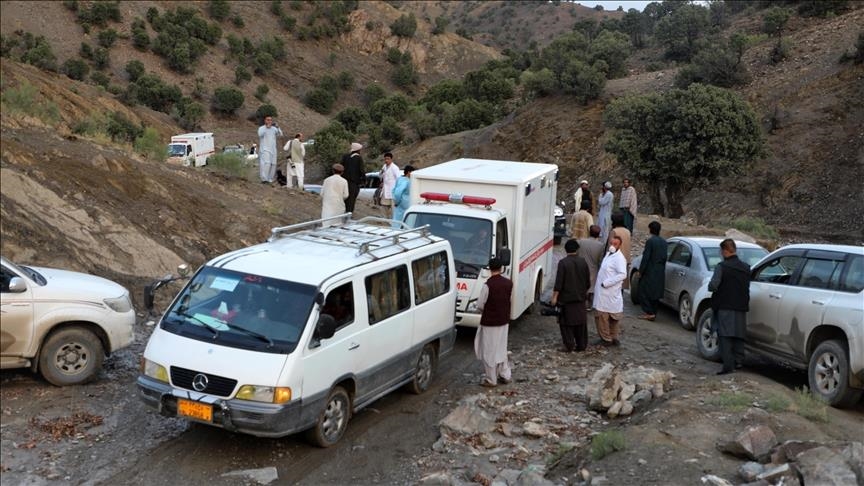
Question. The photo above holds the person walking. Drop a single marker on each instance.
(389, 173)
(581, 222)
(267, 134)
(490, 342)
(296, 154)
(354, 173)
(619, 230)
(402, 194)
(652, 273)
(608, 300)
(730, 302)
(627, 204)
(572, 281)
(604, 211)
(592, 250)
(334, 191)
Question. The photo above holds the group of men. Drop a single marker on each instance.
(268, 160)
(583, 215)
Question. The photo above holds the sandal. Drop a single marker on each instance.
(648, 317)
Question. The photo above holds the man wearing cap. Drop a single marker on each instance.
(296, 154)
(354, 173)
(572, 281)
(490, 342)
(334, 191)
(402, 194)
(628, 205)
(604, 211)
(584, 194)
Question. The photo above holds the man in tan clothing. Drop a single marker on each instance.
(619, 230)
(581, 221)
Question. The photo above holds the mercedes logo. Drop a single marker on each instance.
(199, 382)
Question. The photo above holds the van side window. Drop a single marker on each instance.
(339, 303)
(388, 293)
(431, 277)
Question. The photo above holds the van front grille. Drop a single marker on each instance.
(216, 385)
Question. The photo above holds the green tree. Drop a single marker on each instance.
(561, 51)
(134, 69)
(638, 26)
(75, 69)
(346, 80)
(404, 75)
(395, 106)
(227, 100)
(583, 80)
(330, 144)
(423, 122)
(107, 38)
(718, 62)
(404, 26)
(101, 59)
(447, 91)
(219, 9)
(682, 139)
(140, 38)
(441, 24)
(320, 100)
(773, 22)
(538, 83)
(680, 30)
(261, 92)
(613, 48)
(188, 113)
(352, 117)
(264, 111)
(241, 75)
(373, 93)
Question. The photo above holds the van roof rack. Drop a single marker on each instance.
(367, 235)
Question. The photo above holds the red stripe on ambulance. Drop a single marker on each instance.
(534, 256)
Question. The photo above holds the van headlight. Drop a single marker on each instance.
(268, 394)
(120, 304)
(154, 370)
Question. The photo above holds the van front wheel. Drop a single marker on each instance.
(333, 420)
(423, 371)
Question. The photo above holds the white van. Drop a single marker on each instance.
(301, 331)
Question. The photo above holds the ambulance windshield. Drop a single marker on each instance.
(470, 238)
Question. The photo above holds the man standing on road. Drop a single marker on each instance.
(592, 250)
(389, 174)
(581, 222)
(584, 194)
(604, 211)
(572, 281)
(627, 204)
(334, 191)
(608, 300)
(730, 302)
(402, 194)
(296, 154)
(652, 273)
(267, 134)
(354, 173)
(490, 343)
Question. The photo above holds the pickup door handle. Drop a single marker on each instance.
(774, 296)
(353, 346)
(680, 274)
(817, 302)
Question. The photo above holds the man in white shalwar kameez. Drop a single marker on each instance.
(334, 191)
(267, 134)
(490, 343)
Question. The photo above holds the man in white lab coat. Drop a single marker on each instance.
(608, 300)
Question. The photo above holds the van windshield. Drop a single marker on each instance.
(241, 310)
(470, 238)
(176, 150)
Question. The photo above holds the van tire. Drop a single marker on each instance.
(828, 375)
(423, 370)
(71, 356)
(333, 420)
(538, 292)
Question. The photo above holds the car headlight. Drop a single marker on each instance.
(154, 370)
(269, 394)
(558, 212)
(472, 307)
(119, 304)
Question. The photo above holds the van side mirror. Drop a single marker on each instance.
(504, 256)
(183, 269)
(326, 326)
(17, 285)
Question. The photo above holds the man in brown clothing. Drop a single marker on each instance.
(581, 221)
(592, 250)
(490, 342)
(572, 282)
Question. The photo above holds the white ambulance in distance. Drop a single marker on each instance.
(490, 208)
(300, 332)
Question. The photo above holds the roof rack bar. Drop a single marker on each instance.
(283, 230)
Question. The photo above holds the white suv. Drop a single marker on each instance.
(807, 311)
(61, 323)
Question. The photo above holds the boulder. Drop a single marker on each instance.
(854, 455)
(469, 418)
(820, 465)
(614, 410)
(440, 478)
(641, 398)
(754, 443)
(772, 474)
(626, 409)
(534, 429)
(750, 470)
(264, 475)
(627, 391)
(713, 480)
(600, 381)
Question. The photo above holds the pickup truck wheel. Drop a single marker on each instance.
(685, 312)
(706, 338)
(423, 371)
(828, 375)
(333, 420)
(71, 356)
(634, 288)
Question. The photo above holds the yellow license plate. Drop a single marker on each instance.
(200, 411)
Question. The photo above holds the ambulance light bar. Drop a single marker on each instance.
(457, 198)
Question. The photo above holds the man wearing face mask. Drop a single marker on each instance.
(608, 301)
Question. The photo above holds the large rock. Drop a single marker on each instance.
(469, 418)
(600, 381)
(641, 398)
(646, 378)
(627, 391)
(264, 475)
(854, 455)
(534, 429)
(772, 474)
(754, 443)
(712, 480)
(440, 478)
(750, 470)
(825, 467)
(789, 450)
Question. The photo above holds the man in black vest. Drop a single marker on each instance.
(572, 281)
(730, 302)
(490, 343)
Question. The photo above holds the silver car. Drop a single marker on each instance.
(807, 311)
(368, 192)
(690, 262)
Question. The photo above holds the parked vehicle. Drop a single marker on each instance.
(61, 323)
(560, 229)
(191, 149)
(300, 332)
(485, 208)
(367, 192)
(690, 263)
(807, 311)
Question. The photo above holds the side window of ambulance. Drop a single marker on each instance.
(339, 303)
(388, 293)
(431, 277)
(501, 236)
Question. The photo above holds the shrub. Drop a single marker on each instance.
(150, 145)
(394, 55)
(346, 80)
(276, 8)
(99, 14)
(822, 8)
(120, 128)
(37, 52)
(75, 69)
(447, 91)
(241, 75)
(330, 143)
(373, 93)
(219, 10)
(468, 114)
(584, 81)
(100, 78)
(152, 15)
(85, 51)
(107, 38)
(134, 69)
(404, 26)
(424, 123)
(441, 24)
(263, 62)
(183, 37)
(261, 92)
(227, 100)
(288, 23)
(395, 106)
(151, 91)
(320, 100)
(538, 83)
(264, 111)
(25, 99)
(780, 51)
(606, 443)
(391, 131)
(238, 22)
(352, 117)
(188, 113)
(101, 60)
(229, 164)
(140, 39)
(404, 75)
